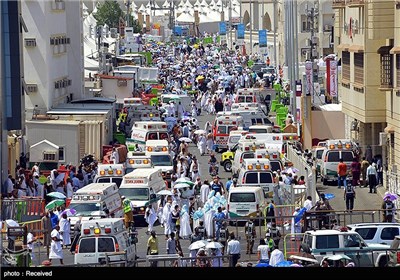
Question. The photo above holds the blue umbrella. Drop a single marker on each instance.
(329, 196)
(262, 264)
(284, 264)
(299, 215)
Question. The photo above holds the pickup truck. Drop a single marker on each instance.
(321, 243)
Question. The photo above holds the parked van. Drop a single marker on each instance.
(99, 237)
(161, 158)
(141, 187)
(245, 150)
(143, 131)
(336, 150)
(261, 128)
(317, 152)
(137, 160)
(110, 173)
(257, 172)
(274, 156)
(96, 200)
(246, 202)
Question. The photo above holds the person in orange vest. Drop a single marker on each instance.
(268, 61)
(342, 173)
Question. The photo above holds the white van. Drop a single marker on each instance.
(99, 237)
(96, 200)
(143, 131)
(137, 160)
(246, 202)
(257, 172)
(161, 158)
(335, 150)
(245, 150)
(141, 187)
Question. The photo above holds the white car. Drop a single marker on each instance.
(378, 233)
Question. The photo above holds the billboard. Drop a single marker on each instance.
(262, 41)
(240, 34)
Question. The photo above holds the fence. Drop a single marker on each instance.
(393, 181)
(23, 209)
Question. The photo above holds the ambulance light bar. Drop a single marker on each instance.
(157, 149)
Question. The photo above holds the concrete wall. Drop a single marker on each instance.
(327, 125)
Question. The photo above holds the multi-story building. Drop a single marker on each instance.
(53, 53)
(11, 90)
(367, 40)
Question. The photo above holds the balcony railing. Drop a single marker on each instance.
(337, 4)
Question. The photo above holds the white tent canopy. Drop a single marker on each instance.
(185, 17)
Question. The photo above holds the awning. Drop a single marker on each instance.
(389, 129)
(395, 50)
(356, 48)
(343, 47)
(384, 50)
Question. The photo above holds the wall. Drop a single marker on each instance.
(112, 90)
(327, 124)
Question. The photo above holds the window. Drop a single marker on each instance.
(389, 233)
(386, 70)
(61, 154)
(251, 178)
(305, 24)
(221, 130)
(327, 241)
(58, 5)
(351, 241)
(105, 244)
(359, 68)
(347, 156)
(265, 177)
(87, 245)
(242, 197)
(398, 70)
(346, 66)
(248, 155)
(367, 233)
(30, 42)
(275, 165)
(31, 87)
(333, 157)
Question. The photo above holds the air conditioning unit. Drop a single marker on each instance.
(30, 42)
(32, 87)
(382, 138)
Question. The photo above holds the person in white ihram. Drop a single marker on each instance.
(150, 217)
(56, 251)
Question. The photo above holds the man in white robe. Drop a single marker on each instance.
(65, 230)
(150, 217)
(276, 257)
(185, 231)
(56, 251)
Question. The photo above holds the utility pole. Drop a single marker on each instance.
(251, 29)
(312, 19)
(128, 7)
(230, 23)
(275, 27)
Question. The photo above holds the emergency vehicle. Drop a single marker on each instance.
(227, 157)
(274, 155)
(109, 173)
(141, 187)
(94, 201)
(223, 125)
(335, 150)
(137, 160)
(274, 138)
(101, 237)
(245, 149)
(257, 172)
(250, 118)
(246, 95)
(245, 107)
(158, 151)
(143, 131)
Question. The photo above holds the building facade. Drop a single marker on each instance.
(11, 89)
(367, 41)
(53, 53)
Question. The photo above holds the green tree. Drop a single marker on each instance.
(109, 13)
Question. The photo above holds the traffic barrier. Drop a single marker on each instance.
(35, 227)
(291, 244)
(23, 209)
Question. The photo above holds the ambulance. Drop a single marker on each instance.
(110, 173)
(104, 237)
(246, 95)
(143, 131)
(141, 187)
(137, 160)
(223, 125)
(95, 201)
(274, 155)
(245, 150)
(227, 157)
(336, 149)
(250, 118)
(160, 156)
(257, 172)
(245, 107)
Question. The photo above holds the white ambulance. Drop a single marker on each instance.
(141, 187)
(96, 200)
(336, 149)
(110, 173)
(257, 172)
(223, 125)
(137, 160)
(104, 238)
(160, 156)
(274, 155)
(144, 131)
(245, 150)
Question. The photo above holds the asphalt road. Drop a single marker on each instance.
(364, 200)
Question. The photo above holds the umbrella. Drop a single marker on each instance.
(200, 77)
(185, 139)
(391, 196)
(12, 223)
(214, 245)
(284, 264)
(338, 257)
(198, 244)
(54, 203)
(165, 192)
(184, 180)
(69, 212)
(181, 186)
(57, 195)
(59, 178)
(200, 131)
(329, 196)
(262, 264)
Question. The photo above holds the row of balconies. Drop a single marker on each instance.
(338, 4)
